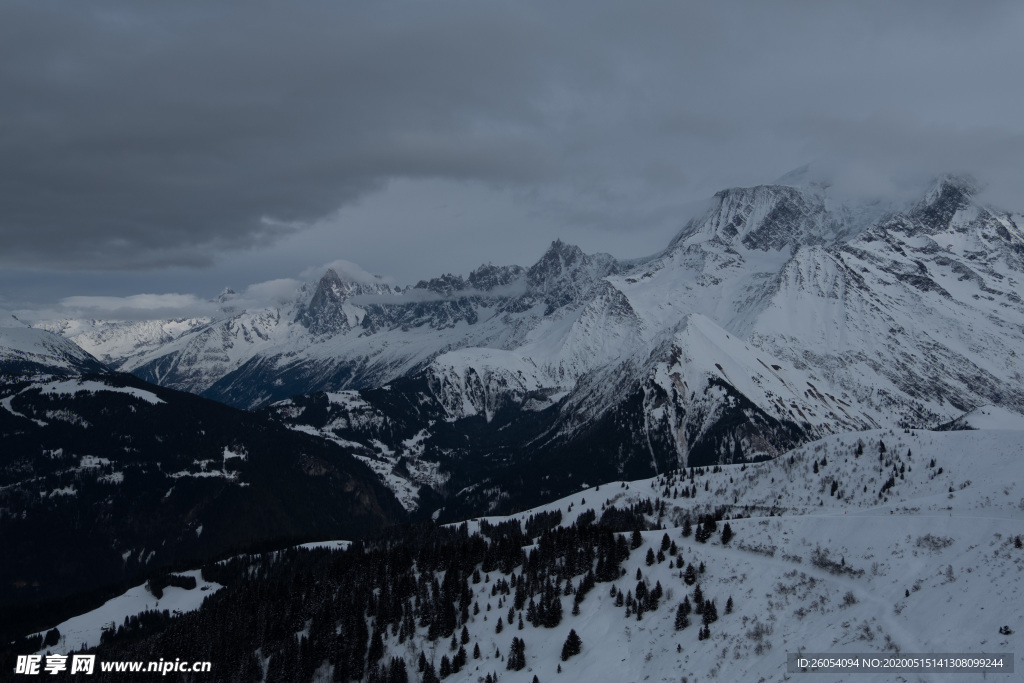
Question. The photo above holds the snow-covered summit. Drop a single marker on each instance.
(29, 350)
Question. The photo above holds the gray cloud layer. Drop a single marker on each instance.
(138, 135)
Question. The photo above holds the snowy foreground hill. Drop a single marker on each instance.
(883, 541)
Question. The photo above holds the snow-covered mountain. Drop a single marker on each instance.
(25, 350)
(780, 314)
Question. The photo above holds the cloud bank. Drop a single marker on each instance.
(141, 136)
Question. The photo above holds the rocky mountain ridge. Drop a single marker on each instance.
(779, 315)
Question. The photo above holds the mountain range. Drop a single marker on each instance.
(780, 318)
(780, 314)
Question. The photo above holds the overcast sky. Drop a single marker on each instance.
(178, 148)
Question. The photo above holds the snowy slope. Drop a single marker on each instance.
(24, 350)
(482, 381)
(987, 417)
(115, 341)
(828, 577)
(86, 629)
(931, 564)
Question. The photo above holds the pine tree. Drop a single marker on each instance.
(728, 605)
(554, 615)
(429, 674)
(397, 672)
(476, 651)
(682, 621)
(710, 613)
(650, 557)
(465, 635)
(726, 534)
(445, 669)
(637, 540)
(517, 655)
(687, 528)
(376, 647)
(572, 646)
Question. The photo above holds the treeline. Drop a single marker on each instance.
(301, 613)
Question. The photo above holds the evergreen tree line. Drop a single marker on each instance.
(300, 610)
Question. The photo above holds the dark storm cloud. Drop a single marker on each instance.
(135, 135)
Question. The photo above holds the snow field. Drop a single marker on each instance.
(86, 629)
(829, 578)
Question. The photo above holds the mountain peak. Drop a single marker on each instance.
(560, 256)
(445, 285)
(28, 350)
(324, 314)
(947, 195)
(489, 276)
(334, 287)
(763, 218)
(961, 185)
(226, 295)
(564, 273)
(330, 275)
